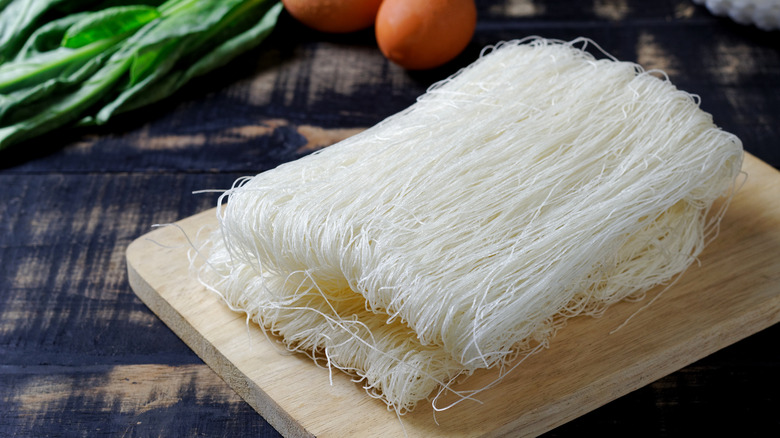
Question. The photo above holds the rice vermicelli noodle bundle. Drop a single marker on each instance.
(537, 184)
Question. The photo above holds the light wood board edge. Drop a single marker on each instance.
(244, 387)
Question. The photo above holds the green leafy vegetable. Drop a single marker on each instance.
(17, 22)
(108, 23)
(20, 18)
(202, 57)
(89, 65)
(49, 36)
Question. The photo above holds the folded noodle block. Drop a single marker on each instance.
(537, 184)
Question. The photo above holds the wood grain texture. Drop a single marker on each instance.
(122, 400)
(732, 295)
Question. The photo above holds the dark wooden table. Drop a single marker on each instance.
(80, 355)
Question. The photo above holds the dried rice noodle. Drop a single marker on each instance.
(537, 184)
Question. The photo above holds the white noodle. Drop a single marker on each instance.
(535, 185)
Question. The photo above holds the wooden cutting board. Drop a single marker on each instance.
(734, 293)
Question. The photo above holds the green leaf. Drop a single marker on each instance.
(20, 104)
(155, 88)
(157, 48)
(41, 67)
(160, 56)
(20, 18)
(64, 109)
(49, 36)
(108, 23)
(233, 47)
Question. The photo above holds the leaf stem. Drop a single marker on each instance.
(52, 67)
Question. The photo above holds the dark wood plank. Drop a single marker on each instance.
(65, 298)
(124, 400)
